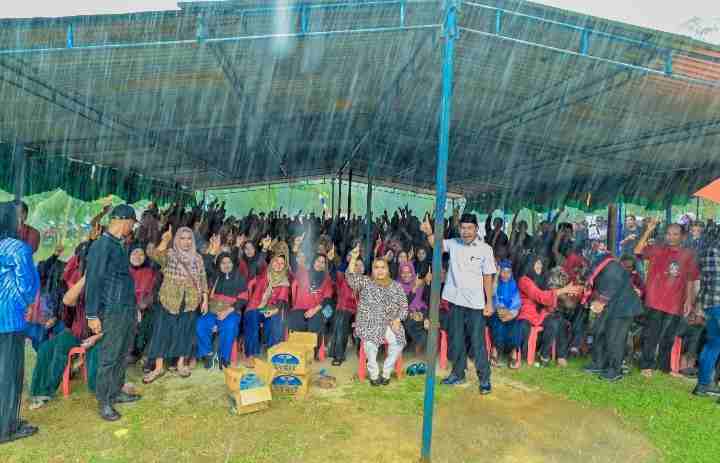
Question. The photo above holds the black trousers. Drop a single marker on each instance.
(468, 322)
(298, 322)
(610, 342)
(659, 335)
(579, 320)
(555, 330)
(341, 326)
(118, 327)
(12, 371)
(416, 332)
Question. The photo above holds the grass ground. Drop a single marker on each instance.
(580, 419)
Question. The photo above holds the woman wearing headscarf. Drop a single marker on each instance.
(423, 261)
(228, 298)
(346, 307)
(313, 302)
(381, 309)
(183, 291)
(538, 303)
(414, 289)
(145, 278)
(19, 284)
(269, 296)
(507, 306)
(43, 315)
(252, 263)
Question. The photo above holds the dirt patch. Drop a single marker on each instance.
(188, 420)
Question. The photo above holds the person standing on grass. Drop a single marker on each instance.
(19, 283)
(469, 290)
(709, 307)
(110, 308)
(670, 293)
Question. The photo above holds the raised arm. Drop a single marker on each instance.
(642, 243)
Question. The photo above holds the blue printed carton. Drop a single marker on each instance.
(288, 385)
(290, 358)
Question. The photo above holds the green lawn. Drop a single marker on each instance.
(683, 427)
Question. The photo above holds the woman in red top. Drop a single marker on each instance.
(344, 314)
(145, 278)
(312, 298)
(538, 304)
(269, 295)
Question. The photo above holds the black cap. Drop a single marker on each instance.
(469, 218)
(123, 212)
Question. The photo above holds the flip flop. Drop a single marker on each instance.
(153, 376)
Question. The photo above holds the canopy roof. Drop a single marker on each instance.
(548, 106)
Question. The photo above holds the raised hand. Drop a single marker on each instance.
(168, 235)
(426, 227)
(266, 243)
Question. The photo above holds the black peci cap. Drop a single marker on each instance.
(123, 212)
(469, 218)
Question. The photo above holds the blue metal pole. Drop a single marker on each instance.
(402, 13)
(70, 36)
(451, 33)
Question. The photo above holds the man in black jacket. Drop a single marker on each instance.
(110, 309)
(611, 295)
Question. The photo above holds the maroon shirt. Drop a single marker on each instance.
(30, 236)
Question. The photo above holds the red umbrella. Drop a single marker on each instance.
(711, 191)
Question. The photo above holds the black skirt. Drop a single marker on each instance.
(173, 335)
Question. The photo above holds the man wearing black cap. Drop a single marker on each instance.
(19, 283)
(469, 290)
(110, 308)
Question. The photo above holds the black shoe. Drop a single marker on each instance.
(108, 413)
(485, 389)
(336, 363)
(611, 376)
(376, 382)
(24, 430)
(689, 372)
(208, 362)
(706, 391)
(384, 381)
(125, 398)
(453, 380)
(593, 370)
(544, 363)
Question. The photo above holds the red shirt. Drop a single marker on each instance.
(573, 265)
(671, 269)
(303, 297)
(75, 316)
(256, 290)
(30, 236)
(144, 279)
(346, 297)
(536, 303)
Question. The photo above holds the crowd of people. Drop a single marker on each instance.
(185, 286)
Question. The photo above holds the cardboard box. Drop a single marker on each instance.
(252, 399)
(291, 358)
(309, 340)
(288, 385)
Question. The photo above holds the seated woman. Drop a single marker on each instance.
(228, 299)
(52, 355)
(538, 309)
(344, 313)
(417, 322)
(502, 323)
(269, 295)
(312, 298)
(43, 315)
(145, 278)
(184, 290)
(381, 309)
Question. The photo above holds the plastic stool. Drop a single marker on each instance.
(322, 351)
(532, 344)
(443, 349)
(362, 363)
(66, 374)
(676, 355)
(234, 353)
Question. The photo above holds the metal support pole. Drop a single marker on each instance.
(19, 165)
(620, 225)
(668, 214)
(339, 208)
(697, 209)
(402, 13)
(70, 36)
(368, 218)
(349, 195)
(332, 198)
(450, 33)
(585, 42)
(498, 21)
(612, 215)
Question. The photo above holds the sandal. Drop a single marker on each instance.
(184, 372)
(152, 376)
(647, 373)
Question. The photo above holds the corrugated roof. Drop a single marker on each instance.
(546, 103)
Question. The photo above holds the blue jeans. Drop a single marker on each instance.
(272, 327)
(711, 351)
(504, 334)
(228, 330)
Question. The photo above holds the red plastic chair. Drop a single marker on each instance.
(443, 349)
(532, 344)
(234, 353)
(676, 355)
(66, 374)
(362, 364)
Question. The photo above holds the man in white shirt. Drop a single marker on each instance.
(469, 290)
